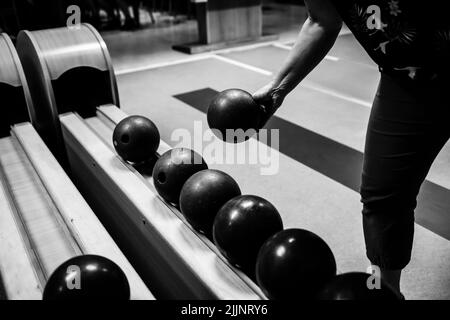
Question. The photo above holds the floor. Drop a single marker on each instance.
(322, 130)
(152, 44)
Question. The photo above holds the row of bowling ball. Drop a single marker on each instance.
(247, 229)
(89, 277)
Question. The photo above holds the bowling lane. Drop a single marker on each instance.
(337, 119)
(357, 81)
(305, 198)
(340, 120)
(333, 118)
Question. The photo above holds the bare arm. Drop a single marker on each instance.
(315, 40)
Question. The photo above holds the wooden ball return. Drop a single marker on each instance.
(14, 90)
(44, 220)
(173, 260)
(68, 69)
(227, 23)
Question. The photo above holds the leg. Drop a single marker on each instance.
(136, 4)
(406, 132)
(149, 5)
(151, 8)
(125, 9)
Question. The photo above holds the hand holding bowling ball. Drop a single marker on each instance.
(271, 97)
(232, 113)
(242, 226)
(173, 169)
(203, 195)
(87, 277)
(294, 264)
(355, 286)
(136, 139)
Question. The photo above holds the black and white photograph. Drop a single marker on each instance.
(225, 159)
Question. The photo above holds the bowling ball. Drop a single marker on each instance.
(242, 226)
(136, 139)
(203, 195)
(294, 264)
(173, 169)
(87, 277)
(234, 109)
(354, 286)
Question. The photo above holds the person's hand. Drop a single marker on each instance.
(270, 97)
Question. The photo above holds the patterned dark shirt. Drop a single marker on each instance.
(406, 36)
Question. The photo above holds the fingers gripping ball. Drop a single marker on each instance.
(234, 116)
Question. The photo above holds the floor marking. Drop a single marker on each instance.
(198, 57)
(163, 64)
(244, 47)
(341, 33)
(344, 32)
(244, 65)
(331, 58)
(312, 86)
(288, 47)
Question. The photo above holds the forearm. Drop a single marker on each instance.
(313, 43)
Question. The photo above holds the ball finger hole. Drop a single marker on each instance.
(162, 177)
(125, 138)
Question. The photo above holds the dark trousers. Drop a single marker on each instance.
(408, 126)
